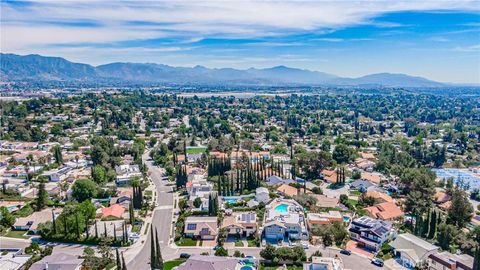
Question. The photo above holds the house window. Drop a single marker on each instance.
(191, 227)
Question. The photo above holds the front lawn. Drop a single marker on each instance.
(352, 202)
(17, 234)
(196, 150)
(186, 242)
(252, 243)
(168, 265)
(355, 193)
(239, 244)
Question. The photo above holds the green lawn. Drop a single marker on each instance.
(136, 228)
(17, 234)
(186, 242)
(251, 243)
(239, 244)
(168, 265)
(352, 202)
(355, 193)
(196, 150)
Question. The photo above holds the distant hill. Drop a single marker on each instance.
(41, 68)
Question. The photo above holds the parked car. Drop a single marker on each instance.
(377, 262)
(184, 255)
(346, 252)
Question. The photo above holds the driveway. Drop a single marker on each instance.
(354, 248)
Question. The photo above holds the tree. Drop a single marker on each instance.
(197, 202)
(433, 225)
(42, 197)
(445, 235)
(99, 174)
(221, 252)
(420, 197)
(268, 253)
(7, 219)
(461, 211)
(57, 154)
(84, 189)
(342, 154)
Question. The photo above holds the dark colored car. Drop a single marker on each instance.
(377, 262)
(346, 252)
(184, 255)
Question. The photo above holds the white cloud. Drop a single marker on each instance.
(193, 20)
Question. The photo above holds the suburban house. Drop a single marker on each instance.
(60, 261)
(205, 228)
(240, 223)
(287, 190)
(324, 218)
(326, 202)
(12, 259)
(199, 262)
(370, 233)
(114, 211)
(198, 187)
(262, 195)
(284, 219)
(126, 172)
(446, 260)
(385, 211)
(329, 175)
(57, 174)
(378, 196)
(412, 250)
(274, 180)
(31, 222)
(372, 177)
(324, 263)
(362, 185)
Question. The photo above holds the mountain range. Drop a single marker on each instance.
(42, 68)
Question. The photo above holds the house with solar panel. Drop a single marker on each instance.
(371, 233)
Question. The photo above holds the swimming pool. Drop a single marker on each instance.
(230, 200)
(346, 219)
(282, 208)
(246, 267)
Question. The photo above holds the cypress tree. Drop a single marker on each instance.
(433, 225)
(105, 229)
(114, 232)
(78, 227)
(54, 223)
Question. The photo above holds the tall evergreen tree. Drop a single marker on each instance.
(433, 225)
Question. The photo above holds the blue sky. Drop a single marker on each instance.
(439, 40)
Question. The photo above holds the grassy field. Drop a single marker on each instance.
(355, 193)
(186, 242)
(196, 150)
(171, 264)
(17, 234)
